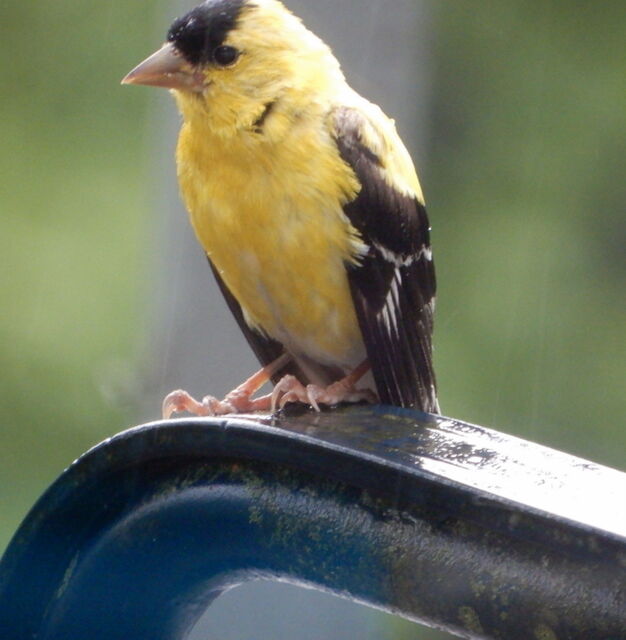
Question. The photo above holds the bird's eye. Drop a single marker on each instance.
(225, 55)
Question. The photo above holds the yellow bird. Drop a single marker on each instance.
(308, 207)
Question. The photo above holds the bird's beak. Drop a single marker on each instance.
(166, 68)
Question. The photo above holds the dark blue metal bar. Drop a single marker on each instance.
(451, 524)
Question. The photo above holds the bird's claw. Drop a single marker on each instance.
(237, 401)
(290, 389)
(179, 401)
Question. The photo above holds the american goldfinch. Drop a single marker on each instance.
(308, 207)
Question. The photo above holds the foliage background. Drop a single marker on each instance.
(523, 177)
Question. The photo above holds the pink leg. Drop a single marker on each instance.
(289, 389)
(239, 400)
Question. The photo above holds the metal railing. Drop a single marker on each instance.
(447, 523)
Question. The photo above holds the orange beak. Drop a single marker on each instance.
(167, 68)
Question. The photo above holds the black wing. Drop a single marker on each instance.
(393, 286)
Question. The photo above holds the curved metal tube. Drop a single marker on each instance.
(139, 535)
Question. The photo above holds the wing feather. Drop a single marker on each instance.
(393, 286)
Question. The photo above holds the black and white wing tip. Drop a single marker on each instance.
(393, 286)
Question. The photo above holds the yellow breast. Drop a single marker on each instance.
(269, 215)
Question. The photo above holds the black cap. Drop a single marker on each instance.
(198, 33)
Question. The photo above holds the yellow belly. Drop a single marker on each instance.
(271, 221)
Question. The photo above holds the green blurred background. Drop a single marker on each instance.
(525, 186)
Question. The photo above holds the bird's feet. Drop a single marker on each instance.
(239, 400)
(290, 389)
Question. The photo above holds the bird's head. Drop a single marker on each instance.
(227, 61)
